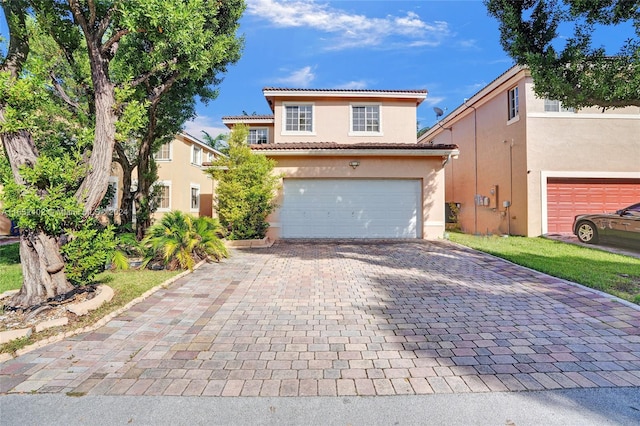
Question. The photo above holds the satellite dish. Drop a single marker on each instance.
(438, 112)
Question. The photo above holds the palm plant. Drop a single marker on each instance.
(181, 240)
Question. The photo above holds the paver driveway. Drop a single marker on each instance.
(348, 319)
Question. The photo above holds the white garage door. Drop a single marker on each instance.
(341, 208)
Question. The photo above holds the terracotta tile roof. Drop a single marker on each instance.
(248, 117)
(290, 89)
(343, 146)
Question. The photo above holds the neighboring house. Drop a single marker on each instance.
(351, 164)
(184, 185)
(527, 166)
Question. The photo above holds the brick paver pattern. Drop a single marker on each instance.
(323, 318)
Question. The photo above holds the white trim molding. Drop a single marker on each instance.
(191, 187)
(285, 132)
(166, 183)
(365, 133)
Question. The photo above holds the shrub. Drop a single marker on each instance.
(87, 251)
(246, 188)
(181, 240)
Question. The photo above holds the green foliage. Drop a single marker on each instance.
(126, 246)
(246, 188)
(45, 203)
(218, 143)
(181, 240)
(577, 74)
(87, 252)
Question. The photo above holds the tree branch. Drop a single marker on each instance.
(113, 40)
(104, 23)
(15, 13)
(63, 95)
(92, 13)
(160, 90)
(146, 76)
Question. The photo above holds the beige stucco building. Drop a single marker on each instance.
(351, 163)
(527, 166)
(183, 183)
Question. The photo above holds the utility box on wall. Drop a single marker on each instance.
(493, 197)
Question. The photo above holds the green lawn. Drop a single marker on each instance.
(127, 285)
(612, 273)
(10, 269)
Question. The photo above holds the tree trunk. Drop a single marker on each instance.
(145, 176)
(42, 264)
(126, 203)
(42, 269)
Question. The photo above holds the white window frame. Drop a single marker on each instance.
(162, 159)
(513, 104)
(557, 107)
(113, 204)
(365, 132)
(166, 183)
(191, 188)
(298, 132)
(196, 161)
(255, 130)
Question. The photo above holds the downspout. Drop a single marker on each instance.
(475, 167)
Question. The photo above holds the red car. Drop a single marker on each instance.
(622, 227)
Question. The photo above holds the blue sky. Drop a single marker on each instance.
(449, 47)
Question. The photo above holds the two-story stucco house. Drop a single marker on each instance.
(527, 165)
(351, 163)
(183, 184)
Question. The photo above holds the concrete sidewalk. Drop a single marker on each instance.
(598, 407)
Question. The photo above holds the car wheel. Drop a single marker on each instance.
(587, 233)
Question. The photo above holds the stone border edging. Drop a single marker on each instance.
(266, 242)
(102, 321)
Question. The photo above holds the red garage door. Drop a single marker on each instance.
(567, 197)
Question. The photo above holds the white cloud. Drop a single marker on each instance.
(299, 78)
(351, 30)
(353, 85)
(210, 125)
(434, 101)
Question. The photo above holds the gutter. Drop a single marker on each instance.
(360, 152)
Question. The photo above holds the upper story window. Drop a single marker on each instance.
(551, 105)
(513, 103)
(258, 136)
(196, 155)
(365, 118)
(299, 118)
(164, 153)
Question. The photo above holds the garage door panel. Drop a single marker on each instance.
(372, 208)
(568, 197)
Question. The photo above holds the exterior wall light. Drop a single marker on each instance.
(354, 164)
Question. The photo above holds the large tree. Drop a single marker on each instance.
(575, 72)
(114, 49)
